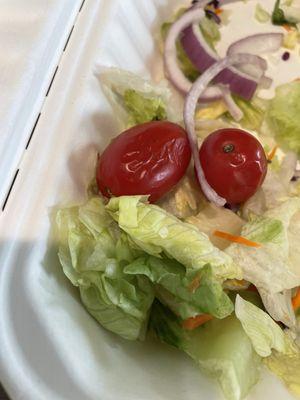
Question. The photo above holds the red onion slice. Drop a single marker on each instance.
(173, 71)
(242, 82)
(265, 82)
(191, 101)
(235, 111)
(203, 57)
(261, 43)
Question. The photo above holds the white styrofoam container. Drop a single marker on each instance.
(50, 348)
(32, 37)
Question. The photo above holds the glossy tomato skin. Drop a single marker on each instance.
(147, 159)
(234, 164)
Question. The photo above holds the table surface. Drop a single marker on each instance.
(3, 395)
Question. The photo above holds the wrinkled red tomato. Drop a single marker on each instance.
(234, 164)
(147, 159)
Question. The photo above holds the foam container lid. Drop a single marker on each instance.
(50, 348)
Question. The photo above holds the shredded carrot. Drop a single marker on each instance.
(287, 27)
(272, 153)
(194, 322)
(296, 300)
(218, 11)
(194, 284)
(236, 239)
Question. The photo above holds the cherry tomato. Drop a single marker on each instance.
(234, 164)
(146, 159)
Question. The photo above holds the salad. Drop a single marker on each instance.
(190, 229)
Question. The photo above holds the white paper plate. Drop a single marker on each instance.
(50, 348)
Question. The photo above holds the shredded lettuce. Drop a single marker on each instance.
(117, 266)
(271, 266)
(287, 365)
(220, 348)
(284, 116)
(168, 275)
(291, 39)
(93, 253)
(211, 111)
(210, 31)
(135, 100)
(276, 188)
(207, 126)
(159, 233)
(254, 112)
(274, 267)
(141, 109)
(279, 306)
(185, 199)
(261, 15)
(264, 333)
(212, 218)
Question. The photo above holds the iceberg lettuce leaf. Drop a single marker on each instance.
(284, 116)
(271, 266)
(287, 365)
(221, 348)
(261, 15)
(159, 233)
(264, 333)
(253, 112)
(135, 100)
(187, 299)
(93, 253)
(142, 109)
